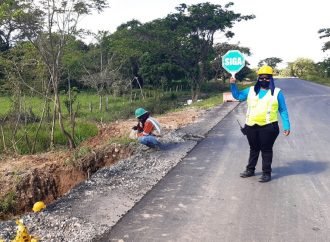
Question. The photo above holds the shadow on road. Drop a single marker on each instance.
(299, 167)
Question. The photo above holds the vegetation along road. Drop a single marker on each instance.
(204, 199)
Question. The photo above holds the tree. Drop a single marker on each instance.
(128, 45)
(48, 25)
(164, 60)
(23, 68)
(302, 67)
(11, 17)
(74, 54)
(325, 33)
(12, 14)
(101, 77)
(25, 74)
(199, 23)
(323, 68)
(271, 61)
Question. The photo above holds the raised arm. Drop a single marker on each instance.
(239, 95)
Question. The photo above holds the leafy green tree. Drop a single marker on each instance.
(23, 66)
(199, 23)
(128, 45)
(325, 33)
(53, 22)
(302, 67)
(146, 53)
(102, 67)
(25, 74)
(180, 46)
(163, 61)
(74, 56)
(12, 14)
(270, 61)
(323, 68)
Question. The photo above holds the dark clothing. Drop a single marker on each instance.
(261, 138)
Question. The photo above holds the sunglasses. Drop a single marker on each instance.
(264, 78)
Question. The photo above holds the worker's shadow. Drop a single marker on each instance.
(299, 167)
(168, 146)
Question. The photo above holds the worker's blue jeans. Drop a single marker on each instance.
(149, 140)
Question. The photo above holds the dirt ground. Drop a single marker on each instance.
(47, 176)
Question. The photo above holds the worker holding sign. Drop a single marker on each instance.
(264, 101)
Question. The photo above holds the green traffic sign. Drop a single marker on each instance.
(233, 61)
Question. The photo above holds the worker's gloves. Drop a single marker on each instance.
(138, 128)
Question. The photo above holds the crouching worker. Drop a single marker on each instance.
(147, 129)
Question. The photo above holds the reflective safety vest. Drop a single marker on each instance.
(157, 129)
(262, 111)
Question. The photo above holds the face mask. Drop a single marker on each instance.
(264, 84)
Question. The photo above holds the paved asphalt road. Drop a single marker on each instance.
(204, 199)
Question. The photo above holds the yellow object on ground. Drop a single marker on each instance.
(22, 234)
(38, 206)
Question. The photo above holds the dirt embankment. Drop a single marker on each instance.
(27, 179)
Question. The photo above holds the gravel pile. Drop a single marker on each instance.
(94, 206)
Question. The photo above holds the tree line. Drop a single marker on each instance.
(305, 68)
(308, 69)
(43, 53)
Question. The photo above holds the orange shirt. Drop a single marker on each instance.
(147, 129)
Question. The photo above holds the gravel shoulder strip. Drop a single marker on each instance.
(94, 206)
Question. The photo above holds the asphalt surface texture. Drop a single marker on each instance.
(204, 199)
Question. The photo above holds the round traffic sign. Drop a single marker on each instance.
(233, 61)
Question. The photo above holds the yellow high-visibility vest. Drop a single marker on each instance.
(262, 111)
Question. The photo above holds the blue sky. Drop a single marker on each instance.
(282, 28)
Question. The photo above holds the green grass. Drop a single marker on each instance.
(5, 105)
(118, 108)
(209, 102)
(87, 105)
(122, 140)
(319, 80)
(215, 98)
(156, 101)
(26, 134)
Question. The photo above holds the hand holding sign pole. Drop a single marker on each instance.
(233, 61)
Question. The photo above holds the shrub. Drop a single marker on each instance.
(7, 204)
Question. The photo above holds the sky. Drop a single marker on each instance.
(286, 29)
